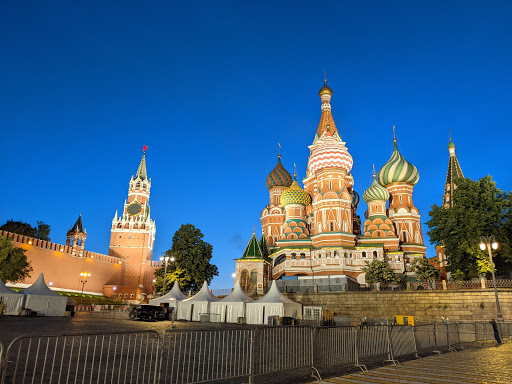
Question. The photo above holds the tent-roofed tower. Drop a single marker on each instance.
(253, 269)
(76, 238)
(454, 172)
(329, 183)
(132, 235)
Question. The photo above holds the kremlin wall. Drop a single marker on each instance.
(126, 273)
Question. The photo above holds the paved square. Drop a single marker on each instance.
(481, 365)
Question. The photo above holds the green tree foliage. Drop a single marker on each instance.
(380, 272)
(191, 266)
(425, 271)
(14, 266)
(480, 209)
(41, 232)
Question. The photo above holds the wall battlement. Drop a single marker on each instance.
(65, 249)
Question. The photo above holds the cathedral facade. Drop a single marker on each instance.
(315, 231)
(125, 273)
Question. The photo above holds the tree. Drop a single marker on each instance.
(479, 209)
(41, 232)
(425, 271)
(380, 272)
(191, 266)
(14, 266)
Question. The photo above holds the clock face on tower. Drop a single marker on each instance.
(134, 209)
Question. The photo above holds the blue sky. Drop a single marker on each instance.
(212, 87)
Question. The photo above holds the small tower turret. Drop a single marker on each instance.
(454, 171)
(76, 238)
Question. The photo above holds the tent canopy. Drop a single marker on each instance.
(237, 295)
(173, 296)
(39, 288)
(274, 296)
(6, 290)
(203, 295)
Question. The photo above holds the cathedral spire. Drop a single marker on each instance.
(78, 227)
(141, 171)
(326, 120)
(454, 171)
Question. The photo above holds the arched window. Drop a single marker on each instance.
(294, 256)
(328, 254)
(330, 184)
(245, 280)
(364, 255)
(400, 198)
(374, 254)
(332, 227)
(404, 237)
(303, 256)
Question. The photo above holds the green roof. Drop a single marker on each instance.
(264, 245)
(253, 251)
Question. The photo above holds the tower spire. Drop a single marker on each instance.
(326, 123)
(394, 136)
(279, 153)
(454, 171)
(141, 171)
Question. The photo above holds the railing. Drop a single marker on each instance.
(203, 356)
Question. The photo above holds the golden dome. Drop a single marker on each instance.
(325, 89)
(295, 195)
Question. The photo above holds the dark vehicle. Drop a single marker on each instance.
(147, 312)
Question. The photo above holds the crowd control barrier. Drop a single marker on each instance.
(205, 356)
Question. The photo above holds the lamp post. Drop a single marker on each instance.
(488, 242)
(83, 280)
(165, 259)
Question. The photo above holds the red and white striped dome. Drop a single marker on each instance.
(331, 153)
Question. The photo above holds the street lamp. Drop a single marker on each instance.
(488, 242)
(83, 280)
(165, 259)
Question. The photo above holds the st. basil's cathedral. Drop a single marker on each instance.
(315, 231)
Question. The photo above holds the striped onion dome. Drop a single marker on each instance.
(375, 192)
(331, 153)
(295, 195)
(279, 177)
(398, 170)
(355, 198)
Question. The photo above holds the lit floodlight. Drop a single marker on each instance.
(495, 245)
(482, 246)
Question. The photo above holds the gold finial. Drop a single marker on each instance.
(450, 135)
(253, 229)
(325, 77)
(394, 135)
(373, 172)
(294, 172)
(279, 155)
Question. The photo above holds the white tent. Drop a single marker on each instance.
(43, 300)
(192, 308)
(230, 308)
(172, 297)
(12, 299)
(272, 304)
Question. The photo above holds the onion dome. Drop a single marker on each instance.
(295, 195)
(279, 177)
(398, 170)
(355, 199)
(375, 192)
(331, 153)
(325, 90)
(451, 144)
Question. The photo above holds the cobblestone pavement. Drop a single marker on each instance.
(481, 365)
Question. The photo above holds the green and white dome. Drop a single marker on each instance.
(375, 192)
(398, 170)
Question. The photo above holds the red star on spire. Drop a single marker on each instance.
(145, 148)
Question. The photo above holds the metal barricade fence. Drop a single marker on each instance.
(2, 361)
(283, 348)
(199, 356)
(127, 357)
(453, 335)
(441, 336)
(335, 346)
(373, 341)
(467, 332)
(402, 341)
(425, 337)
